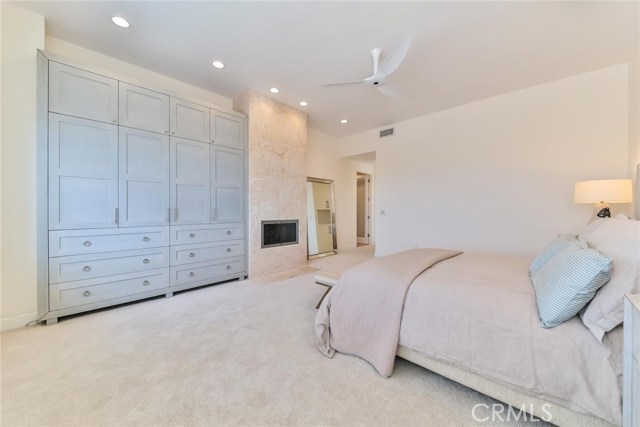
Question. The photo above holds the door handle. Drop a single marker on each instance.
(213, 214)
(175, 215)
(117, 212)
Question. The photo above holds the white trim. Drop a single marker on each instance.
(16, 322)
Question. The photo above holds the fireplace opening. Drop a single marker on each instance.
(279, 233)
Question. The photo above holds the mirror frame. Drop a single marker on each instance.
(333, 219)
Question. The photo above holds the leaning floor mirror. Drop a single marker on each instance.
(321, 218)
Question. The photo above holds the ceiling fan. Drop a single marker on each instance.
(380, 73)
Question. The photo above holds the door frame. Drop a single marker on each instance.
(367, 209)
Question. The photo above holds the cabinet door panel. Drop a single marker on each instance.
(190, 182)
(229, 206)
(227, 130)
(83, 173)
(189, 120)
(227, 184)
(79, 93)
(144, 178)
(143, 109)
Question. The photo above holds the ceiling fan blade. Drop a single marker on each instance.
(390, 90)
(396, 56)
(343, 83)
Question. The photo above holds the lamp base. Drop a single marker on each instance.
(600, 210)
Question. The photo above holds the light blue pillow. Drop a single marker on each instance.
(559, 243)
(568, 281)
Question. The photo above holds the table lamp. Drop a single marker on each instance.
(603, 192)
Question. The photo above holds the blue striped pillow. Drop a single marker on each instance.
(568, 281)
(559, 243)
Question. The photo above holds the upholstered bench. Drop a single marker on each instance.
(326, 279)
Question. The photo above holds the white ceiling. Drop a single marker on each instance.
(462, 51)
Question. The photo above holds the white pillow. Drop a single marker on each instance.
(619, 239)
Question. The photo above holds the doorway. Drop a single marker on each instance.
(363, 209)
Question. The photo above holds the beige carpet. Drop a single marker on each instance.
(241, 353)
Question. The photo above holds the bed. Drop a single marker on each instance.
(474, 318)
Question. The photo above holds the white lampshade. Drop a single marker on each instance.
(603, 191)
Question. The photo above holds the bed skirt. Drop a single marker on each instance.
(562, 416)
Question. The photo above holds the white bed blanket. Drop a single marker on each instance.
(362, 313)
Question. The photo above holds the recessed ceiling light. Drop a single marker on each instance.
(274, 90)
(217, 64)
(343, 121)
(120, 22)
(304, 103)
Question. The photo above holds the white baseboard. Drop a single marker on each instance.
(15, 322)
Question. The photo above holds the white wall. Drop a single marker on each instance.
(497, 175)
(323, 161)
(22, 35)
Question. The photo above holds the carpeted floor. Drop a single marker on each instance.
(241, 353)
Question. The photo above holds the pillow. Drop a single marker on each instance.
(619, 239)
(586, 233)
(560, 242)
(568, 281)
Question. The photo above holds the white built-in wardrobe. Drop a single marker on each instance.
(140, 193)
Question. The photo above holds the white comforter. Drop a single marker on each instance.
(479, 312)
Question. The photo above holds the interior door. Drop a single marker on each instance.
(362, 209)
(144, 178)
(227, 184)
(83, 173)
(190, 182)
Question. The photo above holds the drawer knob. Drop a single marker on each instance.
(86, 293)
(191, 236)
(145, 239)
(86, 268)
(228, 267)
(228, 232)
(146, 261)
(87, 243)
(146, 283)
(228, 249)
(191, 274)
(191, 255)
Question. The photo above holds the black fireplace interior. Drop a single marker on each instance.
(279, 233)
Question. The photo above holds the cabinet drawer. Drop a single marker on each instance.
(73, 294)
(187, 254)
(207, 272)
(181, 235)
(79, 267)
(78, 242)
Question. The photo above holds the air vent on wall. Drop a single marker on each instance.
(386, 132)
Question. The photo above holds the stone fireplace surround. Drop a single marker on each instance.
(277, 179)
